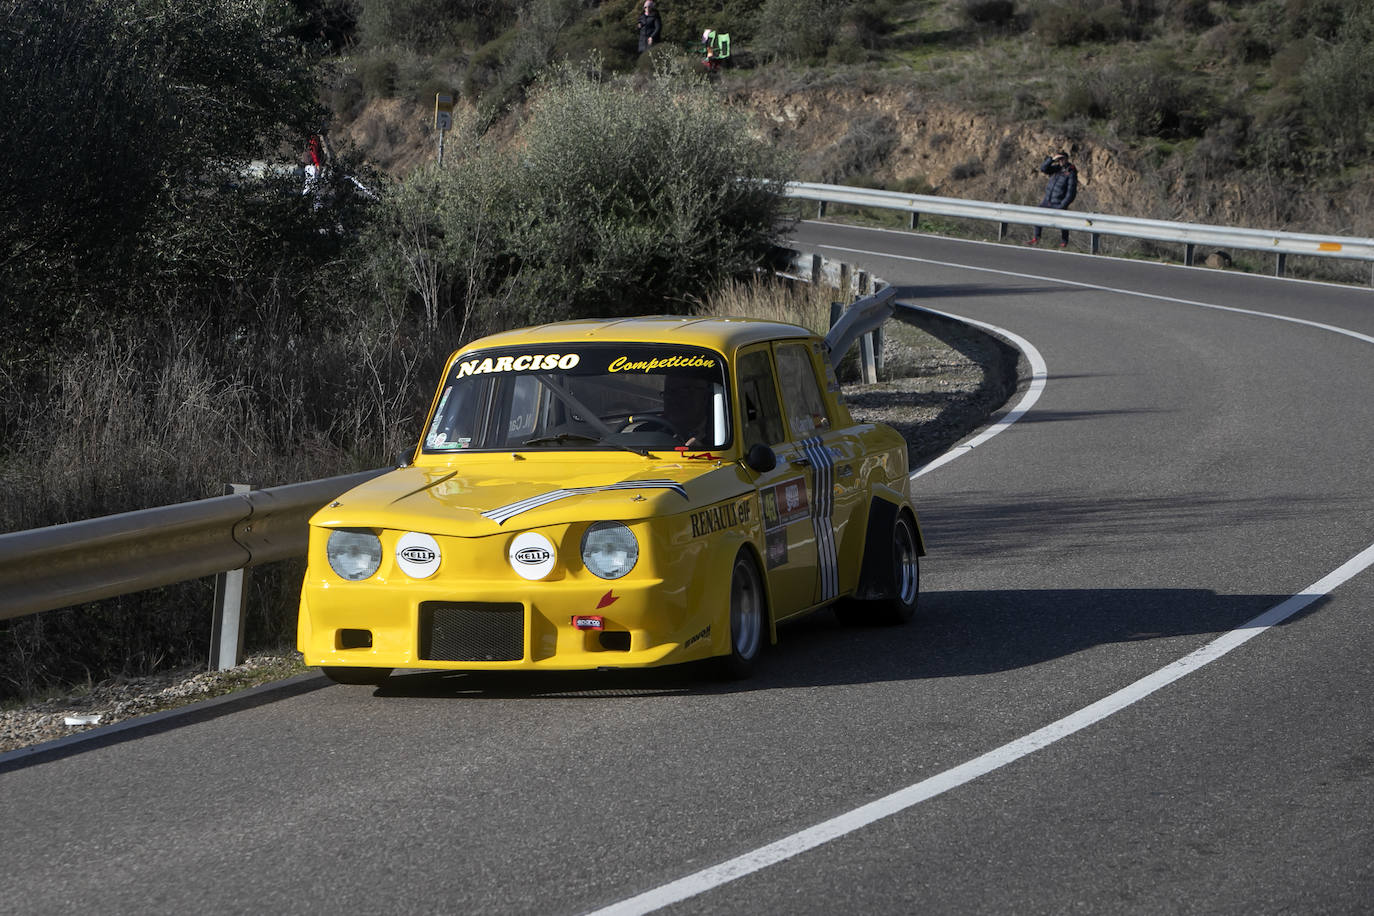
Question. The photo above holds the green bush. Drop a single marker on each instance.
(614, 199)
(796, 30)
(1076, 22)
(427, 25)
(1336, 86)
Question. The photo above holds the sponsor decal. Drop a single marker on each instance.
(536, 362)
(789, 501)
(719, 518)
(775, 548)
(625, 364)
(589, 621)
(417, 555)
(607, 600)
(698, 637)
(532, 555)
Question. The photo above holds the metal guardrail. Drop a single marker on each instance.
(49, 568)
(1190, 235)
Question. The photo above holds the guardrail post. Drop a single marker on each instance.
(231, 604)
(1002, 232)
(1280, 263)
(1097, 242)
(817, 268)
(1188, 254)
(820, 209)
(867, 360)
(845, 288)
(915, 218)
(836, 310)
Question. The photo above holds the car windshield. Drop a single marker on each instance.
(635, 396)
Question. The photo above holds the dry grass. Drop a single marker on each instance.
(775, 300)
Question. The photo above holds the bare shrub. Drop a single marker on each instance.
(864, 147)
(989, 12)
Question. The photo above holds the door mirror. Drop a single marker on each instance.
(761, 458)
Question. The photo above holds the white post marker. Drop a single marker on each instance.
(443, 118)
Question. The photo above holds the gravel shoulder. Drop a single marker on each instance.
(939, 381)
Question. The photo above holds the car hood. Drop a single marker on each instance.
(482, 496)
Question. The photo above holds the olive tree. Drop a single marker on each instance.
(616, 198)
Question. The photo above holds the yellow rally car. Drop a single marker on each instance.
(601, 494)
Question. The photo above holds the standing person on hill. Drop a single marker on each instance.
(650, 26)
(1060, 192)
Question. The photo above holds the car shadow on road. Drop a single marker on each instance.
(957, 634)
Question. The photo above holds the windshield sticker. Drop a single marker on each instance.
(502, 514)
(438, 418)
(625, 364)
(537, 362)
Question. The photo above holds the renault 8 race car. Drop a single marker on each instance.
(605, 494)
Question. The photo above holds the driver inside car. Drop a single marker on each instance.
(687, 407)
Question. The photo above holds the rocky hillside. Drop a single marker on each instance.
(899, 139)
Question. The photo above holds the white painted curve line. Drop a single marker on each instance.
(804, 840)
(1345, 332)
(841, 825)
(1039, 375)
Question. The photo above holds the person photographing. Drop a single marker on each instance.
(1060, 191)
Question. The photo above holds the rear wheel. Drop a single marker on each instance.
(368, 677)
(748, 618)
(899, 605)
(906, 573)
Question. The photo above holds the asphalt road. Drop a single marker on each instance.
(1044, 740)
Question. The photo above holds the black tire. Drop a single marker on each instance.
(899, 606)
(748, 619)
(906, 574)
(359, 677)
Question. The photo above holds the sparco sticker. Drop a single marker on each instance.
(532, 555)
(417, 555)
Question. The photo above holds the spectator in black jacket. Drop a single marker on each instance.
(650, 26)
(1060, 192)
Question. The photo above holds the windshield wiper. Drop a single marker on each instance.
(580, 437)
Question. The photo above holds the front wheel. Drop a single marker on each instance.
(362, 677)
(748, 619)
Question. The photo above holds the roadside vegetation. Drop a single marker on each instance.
(182, 314)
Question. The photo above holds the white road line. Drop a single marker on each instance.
(898, 801)
(1039, 375)
(1107, 289)
(858, 818)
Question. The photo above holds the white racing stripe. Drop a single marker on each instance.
(858, 818)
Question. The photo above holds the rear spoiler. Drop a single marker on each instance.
(861, 318)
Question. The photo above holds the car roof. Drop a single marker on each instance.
(722, 334)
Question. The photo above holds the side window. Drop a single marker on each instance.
(758, 397)
(802, 399)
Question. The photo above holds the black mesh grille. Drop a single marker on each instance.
(472, 632)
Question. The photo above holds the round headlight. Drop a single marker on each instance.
(609, 549)
(353, 554)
